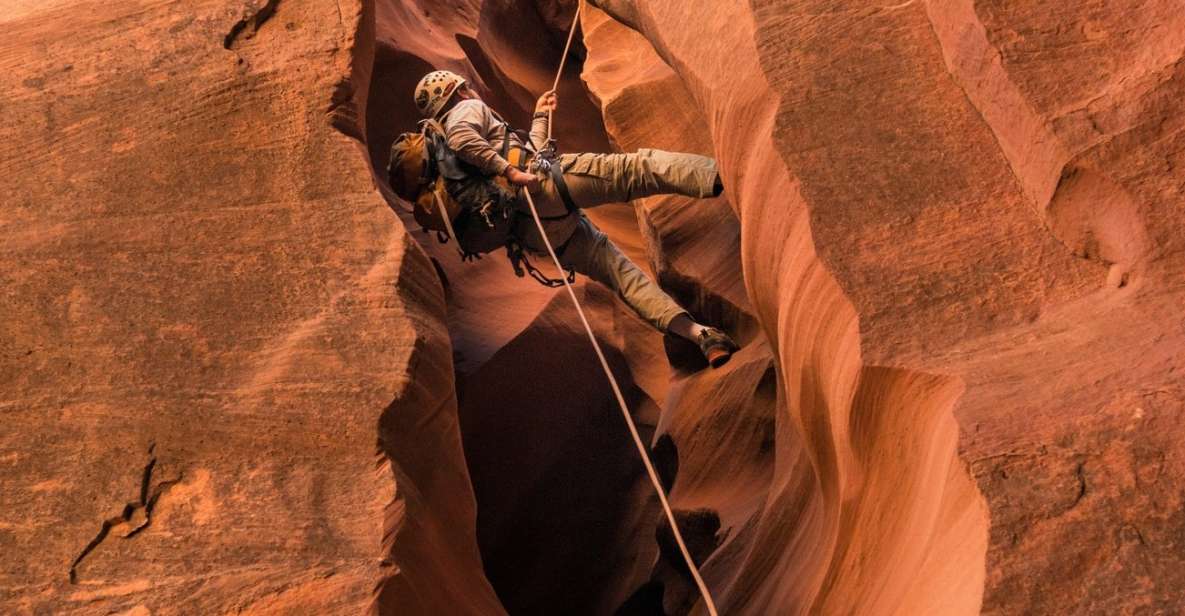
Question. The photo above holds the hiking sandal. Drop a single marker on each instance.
(716, 346)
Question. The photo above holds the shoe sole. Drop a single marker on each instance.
(718, 356)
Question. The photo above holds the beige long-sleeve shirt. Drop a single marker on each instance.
(477, 134)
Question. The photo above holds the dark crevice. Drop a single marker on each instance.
(646, 601)
(671, 588)
(665, 457)
(700, 528)
(136, 515)
(146, 476)
(683, 355)
(251, 21)
(670, 580)
(767, 390)
(94, 543)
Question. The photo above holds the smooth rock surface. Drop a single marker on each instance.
(950, 242)
(984, 190)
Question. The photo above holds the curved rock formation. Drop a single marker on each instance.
(977, 214)
(950, 243)
(846, 428)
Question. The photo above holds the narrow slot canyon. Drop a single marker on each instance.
(950, 244)
(811, 495)
(566, 517)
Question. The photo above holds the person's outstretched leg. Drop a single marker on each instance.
(596, 179)
(684, 327)
(591, 253)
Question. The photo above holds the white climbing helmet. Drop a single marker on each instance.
(434, 90)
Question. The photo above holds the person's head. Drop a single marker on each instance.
(438, 90)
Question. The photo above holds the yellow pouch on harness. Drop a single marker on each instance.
(518, 157)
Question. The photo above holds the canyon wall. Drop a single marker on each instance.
(238, 379)
(225, 374)
(971, 204)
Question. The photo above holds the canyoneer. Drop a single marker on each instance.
(464, 172)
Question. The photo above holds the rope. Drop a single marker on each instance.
(625, 413)
(563, 59)
(448, 224)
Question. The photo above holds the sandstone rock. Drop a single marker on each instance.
(950, 243)
(986, 205)
(210, 322)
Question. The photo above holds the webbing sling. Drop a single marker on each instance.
(557, 178)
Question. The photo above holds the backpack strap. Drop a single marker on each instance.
(446, 162)
(519, 157)
(433, 124)
(448, 224)
(506, 127)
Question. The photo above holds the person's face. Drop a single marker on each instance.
(464, 93)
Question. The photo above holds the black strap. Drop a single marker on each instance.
(509, 131)
(519, 260)
(442, 237)
(561, 186)
(525, 138)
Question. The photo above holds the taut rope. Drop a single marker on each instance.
(625, 413)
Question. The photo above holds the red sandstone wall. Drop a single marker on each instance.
(224, 374)
(950, 243)
(986, 190)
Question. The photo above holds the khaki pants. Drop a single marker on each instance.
(597, 179)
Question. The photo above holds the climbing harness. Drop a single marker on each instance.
(629, 420)
(547, 163)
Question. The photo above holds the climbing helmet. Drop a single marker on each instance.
(434, 90)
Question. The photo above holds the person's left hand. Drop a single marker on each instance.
(547, 102)
(521, 178)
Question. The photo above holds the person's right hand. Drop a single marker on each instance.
(547, 102)
(521, 178)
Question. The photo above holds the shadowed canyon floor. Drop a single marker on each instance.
(951, 244)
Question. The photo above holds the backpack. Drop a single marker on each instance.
(449, 196)
(458, 201)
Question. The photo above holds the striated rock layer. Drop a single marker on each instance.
(968, 399)
(861, 454)
(226, 382)
(950, 243)
(956, 234)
